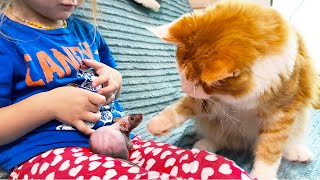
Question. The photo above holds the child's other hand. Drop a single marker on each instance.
(73, 106)
(105, 78)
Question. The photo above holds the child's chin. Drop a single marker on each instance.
(63, 15)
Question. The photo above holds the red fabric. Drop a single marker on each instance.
(156, 161)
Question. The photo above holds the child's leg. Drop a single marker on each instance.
(157, 160)
(80, 163)
(187, 164)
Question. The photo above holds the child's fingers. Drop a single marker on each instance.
(93, 107)
(92, 117)
(95, 98)
(111, 98)
(110, 89)
(101, 79)
(82, 127)
(94, 64)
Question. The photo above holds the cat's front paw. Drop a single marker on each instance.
(298, 153)
(159, 125)
(263, 175)
(265, 171)
(205, 144)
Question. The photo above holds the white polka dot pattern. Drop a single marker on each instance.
(153, 160)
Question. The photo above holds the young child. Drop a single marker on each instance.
(42, 51)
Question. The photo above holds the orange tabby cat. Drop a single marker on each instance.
(249, 83)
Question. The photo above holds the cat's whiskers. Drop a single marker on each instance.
(194, 84)
(194, 89)
(224, 111)
(204, 105)
(227, 116)
(213, 105)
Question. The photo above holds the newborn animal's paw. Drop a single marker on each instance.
(298, 153)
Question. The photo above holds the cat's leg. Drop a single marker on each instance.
(269, 146)
(206, 144)
(295, 150)
(173, 116)
(208, 133)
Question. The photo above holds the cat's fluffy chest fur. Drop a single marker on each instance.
(227, 126)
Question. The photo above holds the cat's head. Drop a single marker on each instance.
(219, 48)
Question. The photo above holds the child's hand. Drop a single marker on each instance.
(73, 106)
(106, 78)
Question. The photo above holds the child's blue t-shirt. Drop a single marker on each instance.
(34, 61)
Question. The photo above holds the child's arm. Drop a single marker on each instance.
(20, 118)
(68, 105)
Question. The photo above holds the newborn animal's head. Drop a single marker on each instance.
(128, 123)
(113, 140)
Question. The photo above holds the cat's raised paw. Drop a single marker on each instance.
(298, 153)
(159, 126)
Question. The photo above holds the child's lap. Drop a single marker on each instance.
(155, 160)
(184, 162)
(77, 163)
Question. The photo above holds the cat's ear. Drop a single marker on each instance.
(176, 32)
(163, 32)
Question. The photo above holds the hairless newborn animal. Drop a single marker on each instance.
(114, 140)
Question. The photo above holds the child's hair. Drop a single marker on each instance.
(94, 12)
(5, 4)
